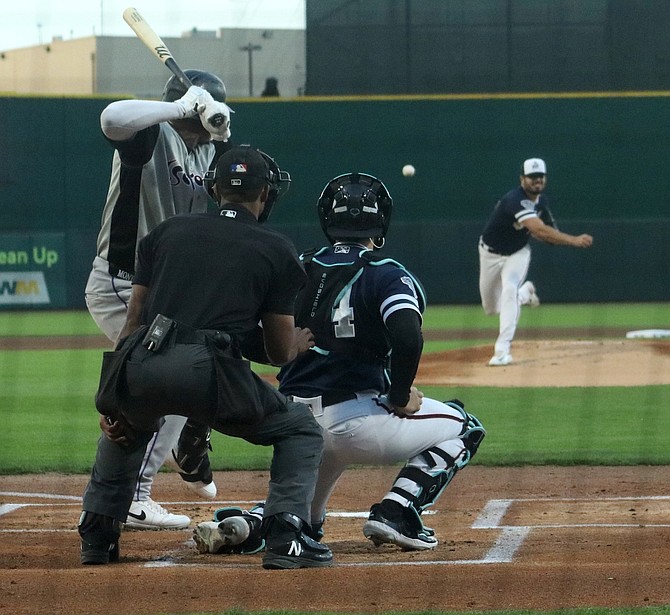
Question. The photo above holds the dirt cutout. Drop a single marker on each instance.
(553, 363)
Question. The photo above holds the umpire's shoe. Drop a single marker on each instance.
(99, 538)
(389, 522)
(289, 547)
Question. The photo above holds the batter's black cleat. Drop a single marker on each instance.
(389, 522)
(288, 547)
(99, 538)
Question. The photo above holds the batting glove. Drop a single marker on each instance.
(215, 117)
(190, 103)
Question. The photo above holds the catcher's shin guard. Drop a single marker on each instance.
(422, 488)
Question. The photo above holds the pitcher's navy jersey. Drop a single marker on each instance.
(504, 233)
(348, 298)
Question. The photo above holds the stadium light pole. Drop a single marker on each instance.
(250, 48)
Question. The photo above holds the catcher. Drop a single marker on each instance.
(365, 313)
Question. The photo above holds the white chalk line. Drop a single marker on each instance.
(503, 550)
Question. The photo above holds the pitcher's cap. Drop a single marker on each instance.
(533, 166)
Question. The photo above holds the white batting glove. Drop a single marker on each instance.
(190, 102)
(215, 117)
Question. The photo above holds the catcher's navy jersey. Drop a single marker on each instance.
(348, 298)
(504, 233)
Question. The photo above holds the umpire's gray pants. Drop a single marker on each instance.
(294, 434)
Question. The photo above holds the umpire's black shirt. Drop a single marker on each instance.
(242, 269)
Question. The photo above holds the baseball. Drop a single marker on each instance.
(408, 170)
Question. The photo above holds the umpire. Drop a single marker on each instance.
(203, 283)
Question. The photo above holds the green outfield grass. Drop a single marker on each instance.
(50, 423)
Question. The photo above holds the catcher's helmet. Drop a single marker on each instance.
(244, 167)
(175, 89)
(354, 205)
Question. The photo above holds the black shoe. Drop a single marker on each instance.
(99, 538)
(288, 547)
(300, 552)
(403, 529)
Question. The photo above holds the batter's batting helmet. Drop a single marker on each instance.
(174, 89)
(354, 205)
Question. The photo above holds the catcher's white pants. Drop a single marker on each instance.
(107, 301)
(500, 280)
(361, 431)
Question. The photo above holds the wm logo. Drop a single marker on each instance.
(23, 287)
(295, 548)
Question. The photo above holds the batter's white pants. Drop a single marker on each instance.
(107, 301)
(500, 278)
(361, 431)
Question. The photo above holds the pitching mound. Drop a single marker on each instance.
(557, 363)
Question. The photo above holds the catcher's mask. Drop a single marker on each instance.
(244, 167)
(355, 205)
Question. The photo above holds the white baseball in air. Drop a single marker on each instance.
(408, 170)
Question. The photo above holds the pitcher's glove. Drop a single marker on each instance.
(544, 213)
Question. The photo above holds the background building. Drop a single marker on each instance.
(123, 65)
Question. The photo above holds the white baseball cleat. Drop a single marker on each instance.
(500, 360)
(150, 515)
(206, 491)
(533, 300)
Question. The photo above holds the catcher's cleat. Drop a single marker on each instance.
(99, 539)
(290, 548)
(403, 528)
(233, 531)
(191, 459)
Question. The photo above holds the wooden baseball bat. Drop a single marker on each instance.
(155, 43)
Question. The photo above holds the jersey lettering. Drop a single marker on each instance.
(343, 317)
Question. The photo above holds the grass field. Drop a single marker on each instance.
(51, 424)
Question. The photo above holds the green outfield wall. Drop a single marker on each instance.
(606, 157)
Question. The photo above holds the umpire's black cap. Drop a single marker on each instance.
(242, 167)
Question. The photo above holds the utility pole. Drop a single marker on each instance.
(250, 48)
